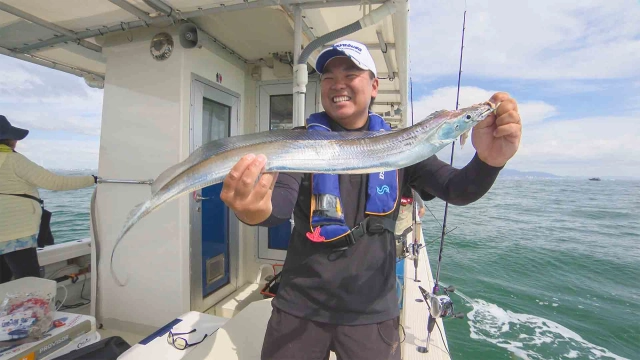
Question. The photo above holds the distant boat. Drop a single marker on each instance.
(595, 179)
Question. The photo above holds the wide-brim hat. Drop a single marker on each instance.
(10, 132)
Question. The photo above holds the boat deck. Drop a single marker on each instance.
(415, 313)
(234, 335)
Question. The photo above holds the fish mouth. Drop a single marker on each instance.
(486, 113)
(480, 112)
(491, 108)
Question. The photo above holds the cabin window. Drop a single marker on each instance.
(275, 112)
(217, 119)
(280, 117)
(280, 112)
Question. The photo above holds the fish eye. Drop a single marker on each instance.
(468, 117)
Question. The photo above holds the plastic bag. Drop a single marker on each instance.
(26, 316)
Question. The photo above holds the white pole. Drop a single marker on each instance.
(300, 76)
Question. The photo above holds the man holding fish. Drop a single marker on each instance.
(338, 286)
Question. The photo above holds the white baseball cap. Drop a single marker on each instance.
(357, 52)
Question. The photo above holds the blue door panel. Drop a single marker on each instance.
(215, 235)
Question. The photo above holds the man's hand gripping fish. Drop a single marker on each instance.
(357, 152)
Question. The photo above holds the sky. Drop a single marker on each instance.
(573, 67)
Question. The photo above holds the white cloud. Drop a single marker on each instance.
(35, 98)
(530, 111)
(603, 146)
(545, 39)
(595, 146)
(61, 154)
(17, 79)
(633, 105)
(75, 114)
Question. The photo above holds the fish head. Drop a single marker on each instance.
(461, 121)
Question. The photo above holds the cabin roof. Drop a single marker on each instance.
(252, 33)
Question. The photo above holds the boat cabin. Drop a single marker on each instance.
(177, 74)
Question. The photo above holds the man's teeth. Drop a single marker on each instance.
(338, 99)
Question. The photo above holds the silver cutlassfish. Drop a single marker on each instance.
(359, 152)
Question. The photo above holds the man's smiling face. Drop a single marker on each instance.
(346, 91)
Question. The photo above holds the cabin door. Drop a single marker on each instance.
(214, 235)
(275, 111)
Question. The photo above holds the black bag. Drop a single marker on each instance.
(45, 237)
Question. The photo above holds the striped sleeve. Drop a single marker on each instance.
(40, 177)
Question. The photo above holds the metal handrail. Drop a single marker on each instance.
(118, 181)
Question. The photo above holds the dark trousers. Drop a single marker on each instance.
(19, 264)
(291, 338)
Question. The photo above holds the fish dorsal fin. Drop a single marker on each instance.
(230, 143)
(434, 115)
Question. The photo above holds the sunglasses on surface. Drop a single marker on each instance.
(181, 343)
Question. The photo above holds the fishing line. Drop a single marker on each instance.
(442, 337)
(436, 238)
(446, 205)
(434, 217)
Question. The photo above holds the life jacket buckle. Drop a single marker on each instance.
(356, 233)
(375, 228)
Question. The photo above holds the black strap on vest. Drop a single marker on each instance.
(28, 197)
(370, 225)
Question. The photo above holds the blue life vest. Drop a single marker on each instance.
(327, 218)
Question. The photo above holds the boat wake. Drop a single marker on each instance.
(529, 336)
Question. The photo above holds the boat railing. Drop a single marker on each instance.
(120, 181)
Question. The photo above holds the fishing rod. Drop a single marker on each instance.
(441, 306)
(446, 204)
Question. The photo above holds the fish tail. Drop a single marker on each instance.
(138, 212)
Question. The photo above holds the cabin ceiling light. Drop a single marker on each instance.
(161, 46)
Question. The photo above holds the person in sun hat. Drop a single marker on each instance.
(337, 289)
(20, 210)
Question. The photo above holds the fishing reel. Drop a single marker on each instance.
(440, 306)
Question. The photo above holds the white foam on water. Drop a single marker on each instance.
(573, 354)
(530, 337)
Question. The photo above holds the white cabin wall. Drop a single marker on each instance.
(142, 135)
(267, 74)
(145, 130)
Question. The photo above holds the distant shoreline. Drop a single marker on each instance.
(505, 173)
